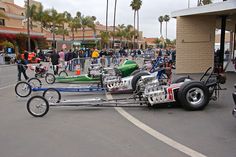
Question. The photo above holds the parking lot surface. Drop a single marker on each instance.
(86, 131)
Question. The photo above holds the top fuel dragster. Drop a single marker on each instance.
(191, 94)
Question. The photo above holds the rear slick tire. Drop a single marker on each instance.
(193, 95)
(136, 78)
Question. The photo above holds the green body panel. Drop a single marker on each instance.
(78, 79)
(128, 67)
(125, 70)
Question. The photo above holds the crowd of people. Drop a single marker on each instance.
(69, 59)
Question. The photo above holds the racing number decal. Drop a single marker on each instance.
(170, 93)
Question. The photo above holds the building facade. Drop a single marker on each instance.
(196, 31)
(15, 23)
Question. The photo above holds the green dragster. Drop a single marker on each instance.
(124, 70)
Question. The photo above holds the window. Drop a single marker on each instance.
(2, 22)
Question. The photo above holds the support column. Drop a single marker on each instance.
(222, 43)
(234, 41)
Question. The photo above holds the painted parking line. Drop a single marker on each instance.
(159, 136)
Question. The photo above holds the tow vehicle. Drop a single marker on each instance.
(191, 94)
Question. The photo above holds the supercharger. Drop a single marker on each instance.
(156, 91)
(95, 70)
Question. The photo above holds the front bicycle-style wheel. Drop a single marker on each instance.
(23, 89)
(52, 95)
(50, 78)
(35, 82)
(37, 106)
(63, 73)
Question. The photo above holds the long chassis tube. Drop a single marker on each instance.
(74, 89)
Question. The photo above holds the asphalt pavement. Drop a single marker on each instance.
(101, 132)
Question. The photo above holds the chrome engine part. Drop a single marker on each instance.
(155, 94)
(94, 70)
(116, 82)
(153, 90)
(146, 81)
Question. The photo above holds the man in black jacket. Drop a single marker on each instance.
(55, 61)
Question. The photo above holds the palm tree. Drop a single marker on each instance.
(65, 17)
(139, 4)
(136, 5)
(40, 16)
(87, 21)
(166, 19)
(114, 24)
(55, 21)
(129, 33)
(104, 38)
(60, 29)
(74, 24)
(161, 19)
(107, 15)
(31, 12)
(133, 8)
(121, 32)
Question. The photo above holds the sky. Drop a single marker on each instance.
(149, 12)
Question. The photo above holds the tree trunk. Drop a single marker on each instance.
(138, 27)
(41, 29)
(161, 28)
(134, 28)
(83, 34)
(114, 24)
(106, 19)
(107, 16)
(166, 29)
(63, 34)
(73, 35)
(121, 40)
(53, 36)
(31, 24)
(41, 25)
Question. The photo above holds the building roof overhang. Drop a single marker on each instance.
(220, 8)
(14, 31)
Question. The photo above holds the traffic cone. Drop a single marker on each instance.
(77, 69)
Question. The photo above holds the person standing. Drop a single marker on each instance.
(55, 61)
(95, 56)
(70, 57)
(26, 57)
(75, 60)
(62, 58)
(102, 57)
(82, 56)
(109, 54)
(21, 66)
